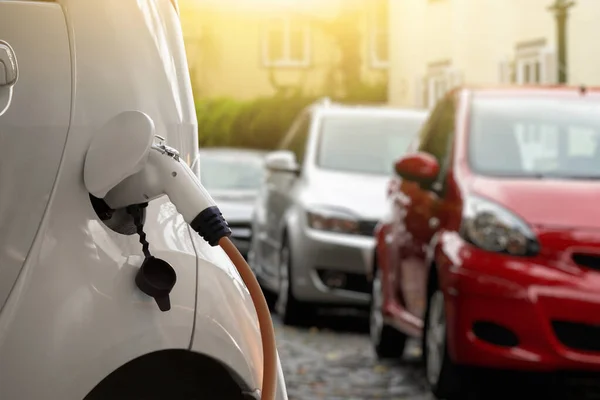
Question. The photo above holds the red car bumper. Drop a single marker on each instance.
(513, 313)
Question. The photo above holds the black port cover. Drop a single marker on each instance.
(157, 278)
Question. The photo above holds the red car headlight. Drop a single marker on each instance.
(491, 227)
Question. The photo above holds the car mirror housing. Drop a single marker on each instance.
(282, 161)
(418, 167)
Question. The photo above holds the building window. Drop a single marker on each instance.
(439, 79)
(534, 63)
(286, 43)
(378, 34)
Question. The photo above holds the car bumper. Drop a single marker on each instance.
(520, 314)
(330, 268)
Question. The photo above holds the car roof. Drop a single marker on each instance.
(232, 152)
(383, 110)
(517, 90)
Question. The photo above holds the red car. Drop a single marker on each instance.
(491, 248)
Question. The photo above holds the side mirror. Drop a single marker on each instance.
(419, 167)
(282, 161)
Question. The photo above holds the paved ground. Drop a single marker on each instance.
(333, 360)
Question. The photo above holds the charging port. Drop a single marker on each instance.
(117, 220)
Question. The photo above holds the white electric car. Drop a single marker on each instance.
(73, 323)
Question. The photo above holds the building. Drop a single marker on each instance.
(250, 48)
(438, 44)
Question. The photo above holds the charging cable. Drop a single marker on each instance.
(269, 383)
(165, 173)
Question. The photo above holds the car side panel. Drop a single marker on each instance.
(226, 323)
(75, 314)
(34, 127)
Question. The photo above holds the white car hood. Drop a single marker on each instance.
(364, 195)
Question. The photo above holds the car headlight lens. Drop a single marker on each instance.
(491, 227)
(332, 221)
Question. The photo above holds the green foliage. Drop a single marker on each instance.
(261, 123)
(258, 124)
(364, 93)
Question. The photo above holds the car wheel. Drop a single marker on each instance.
(444, 377)
(291, 311)
(387, 341)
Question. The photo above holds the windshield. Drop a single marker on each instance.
(535, 137)
(365, 143)
(231, 172)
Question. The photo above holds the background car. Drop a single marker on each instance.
(491, 251)
(324, 192)
(233, 178)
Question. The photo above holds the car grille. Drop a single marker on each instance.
(367, 228)
(591, 261)
(577, 336)
(351, 281)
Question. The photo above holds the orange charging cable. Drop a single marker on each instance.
(267, 333)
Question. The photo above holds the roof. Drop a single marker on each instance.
(531, 89)
(232, 151)
(325, 106)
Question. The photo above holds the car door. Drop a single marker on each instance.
(279, 187)
(419, 210)
(34, 120)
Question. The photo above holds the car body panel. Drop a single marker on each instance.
(75, 314)
(35, 141)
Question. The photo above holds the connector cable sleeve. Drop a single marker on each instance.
(269, 383)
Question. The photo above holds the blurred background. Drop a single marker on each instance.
(300, 101)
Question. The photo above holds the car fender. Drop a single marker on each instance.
(380, 250)
(440, 254)
(226, 326)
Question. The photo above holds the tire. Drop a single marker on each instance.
(387, 341)
(445, 378)
(291, 311)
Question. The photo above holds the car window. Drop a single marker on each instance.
(366, 143)
(436, 142)
(231, 172)
(535, 137)
(297, 140)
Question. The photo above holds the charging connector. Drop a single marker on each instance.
(211, 225)
(165, 173)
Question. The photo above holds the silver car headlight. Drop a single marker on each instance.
(491, 227)
(332, 220)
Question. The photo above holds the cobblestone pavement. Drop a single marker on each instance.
(333, 360)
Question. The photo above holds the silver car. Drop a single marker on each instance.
(324, 192)
(233, 177)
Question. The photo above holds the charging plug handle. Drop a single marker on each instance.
(211, 225)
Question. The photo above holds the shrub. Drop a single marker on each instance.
(259, 124)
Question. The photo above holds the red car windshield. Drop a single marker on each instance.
(535, 137)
